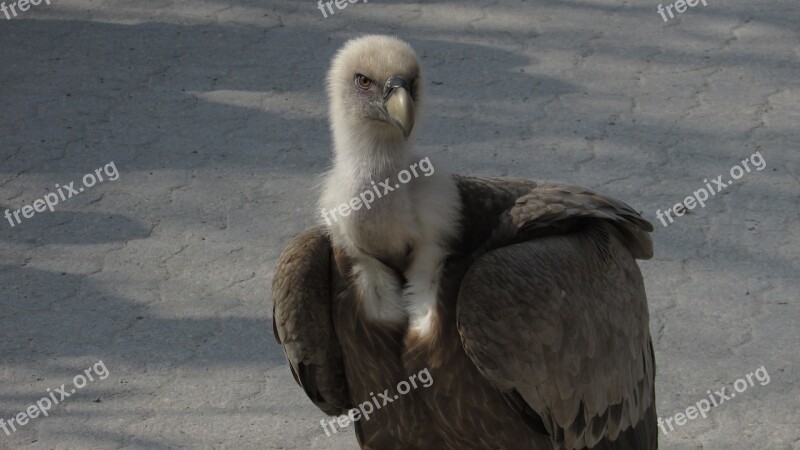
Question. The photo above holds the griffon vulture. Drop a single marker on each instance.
(522, 299)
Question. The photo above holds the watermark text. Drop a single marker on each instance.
(51, 199)
(56, 396)
(701, 408)
(365, 409)
(716, 186)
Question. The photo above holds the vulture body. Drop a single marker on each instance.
(521, 299)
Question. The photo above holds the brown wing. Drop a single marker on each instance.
(511, 210)
(557, 319)
(301, 318)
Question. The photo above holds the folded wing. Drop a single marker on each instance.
(553, 313)
(301, 295)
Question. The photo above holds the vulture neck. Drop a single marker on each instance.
(371, 157)
(365, 157)
(404, 230)
(364, 160)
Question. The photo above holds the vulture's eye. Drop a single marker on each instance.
(363, 82)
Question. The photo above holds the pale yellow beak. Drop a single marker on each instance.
(400, 107)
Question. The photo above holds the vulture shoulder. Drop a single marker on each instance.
(552, 311)
(301, 319)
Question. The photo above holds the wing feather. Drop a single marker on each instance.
(553, 311)
(517, 210)
(302, 321)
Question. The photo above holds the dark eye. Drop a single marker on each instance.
(363, 82)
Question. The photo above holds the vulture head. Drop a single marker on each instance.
(374, 86)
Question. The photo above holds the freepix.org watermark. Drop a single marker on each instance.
(700, 196)
(366, 198)
(55, 397)
(51, 199)
(383, 398)
(680, 7)
(23, 6)
(702, 407)
(340, 5)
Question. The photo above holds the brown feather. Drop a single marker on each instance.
(540, 337)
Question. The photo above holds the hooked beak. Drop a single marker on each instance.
(399, 104)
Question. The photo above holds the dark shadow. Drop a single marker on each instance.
(49, 315)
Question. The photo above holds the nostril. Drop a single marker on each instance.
(393, 83)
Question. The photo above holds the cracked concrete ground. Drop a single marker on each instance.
(214, 114)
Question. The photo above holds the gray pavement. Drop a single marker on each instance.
(213, 113)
